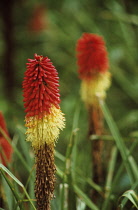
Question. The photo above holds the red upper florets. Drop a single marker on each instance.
(40, 86)
(5, 147)
(92, 55)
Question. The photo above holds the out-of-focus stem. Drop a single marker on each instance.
(96, 127)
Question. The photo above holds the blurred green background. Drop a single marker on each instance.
(51, 28)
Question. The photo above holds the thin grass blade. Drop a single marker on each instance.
(84, 197)
(132, 171)
(130, 195)
(3, 168)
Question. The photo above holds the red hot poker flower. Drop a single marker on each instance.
(93, 67)
(44, 120)
(92, 55)
(41, 96)
(40, 87)
(5, 148)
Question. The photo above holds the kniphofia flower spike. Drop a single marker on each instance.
(93, 66)
(92, 60)
(5, 147)
(44, 120)
(41, 96)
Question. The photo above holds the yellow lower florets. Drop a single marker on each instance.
(95, 89)
(45, 130)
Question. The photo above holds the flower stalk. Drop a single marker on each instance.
(44, 120)
(45, 176)
(93, 64)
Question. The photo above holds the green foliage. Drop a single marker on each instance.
(130, 195)
(14, 191)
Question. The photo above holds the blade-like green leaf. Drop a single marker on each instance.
(24, 145)
(15, 194)
(10, 174)
(130, 195)
(59, 156)
(111, 167)
(4, 169)
(116, 178)
(15, 150)
(64, 188)
(8, 193)
(84, 197)
(128, 160)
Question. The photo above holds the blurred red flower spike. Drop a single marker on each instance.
(38, 21)
(5, 147)
(91, 55)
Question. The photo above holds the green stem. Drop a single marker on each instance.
(110, 171)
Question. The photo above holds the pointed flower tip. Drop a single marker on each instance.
(91, 56)
(38, 57)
